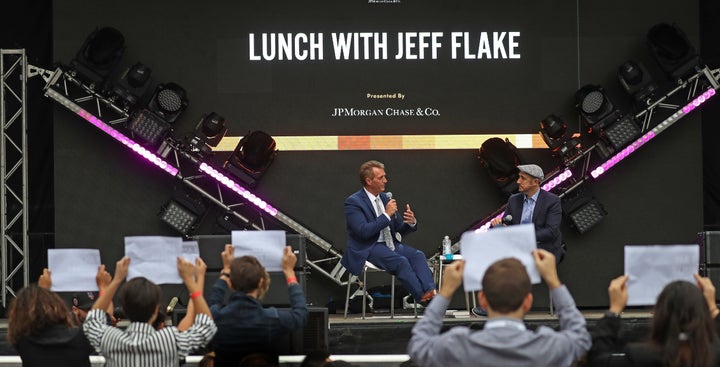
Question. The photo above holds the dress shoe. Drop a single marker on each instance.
(427, 297)
(478, 311)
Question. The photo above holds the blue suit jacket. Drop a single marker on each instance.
(546, 217)
(363, 229)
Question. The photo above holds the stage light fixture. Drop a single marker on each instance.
(148, 126)
(183, 212)
(595, 107)
(552, 131)
(622, 132)
(252, 157)
(208, 133)
(500, 159)
(132, 85)
(672, 50)
(99, 55)
(582, 210)
(169, 101)
(636, 81)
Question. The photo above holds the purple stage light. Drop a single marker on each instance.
(652, 133)
(232, 185)
(557, 180)
(150, 156)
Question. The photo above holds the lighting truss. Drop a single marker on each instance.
(14, 172)
(661, 113)
(184, 165)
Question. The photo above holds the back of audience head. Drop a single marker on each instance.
(33, 310)
(505, 285)
(682, 326)
(140, 299)
(246, 275)
(258, 360)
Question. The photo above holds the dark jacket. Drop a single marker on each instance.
(57, 346)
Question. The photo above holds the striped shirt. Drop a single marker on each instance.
(141, 345)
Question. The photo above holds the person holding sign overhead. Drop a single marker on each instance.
(683, 331)
(504, 340)
(244, 326)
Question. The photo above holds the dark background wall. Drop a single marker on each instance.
(103, 192)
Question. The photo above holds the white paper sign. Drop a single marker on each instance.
(190, 251)
(482, 249)
(154, 257)
(266, 246)
(651, 268)
(73, 270)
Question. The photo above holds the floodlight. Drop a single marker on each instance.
(99, 55)
(148, 126)
(582, 210)
(636, 81)
(672, 50)
(622, 132)
(169, 101)
(132, 85)
(595, 107)
(252, 157)
(183, 212)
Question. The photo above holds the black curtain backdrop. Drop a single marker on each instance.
(103, 192)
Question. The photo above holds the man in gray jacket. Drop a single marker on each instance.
(504, 341)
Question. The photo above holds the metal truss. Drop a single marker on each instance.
(659, 114)
(13, 172)
(63, 87)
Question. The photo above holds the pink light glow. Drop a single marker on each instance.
(650, 134)
(232, 185)
(137, 148)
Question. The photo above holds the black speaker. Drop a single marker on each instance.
(313, 337)
(709, 242)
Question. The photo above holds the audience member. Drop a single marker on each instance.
(683, 332)
(504, 340)
(82, 301)
(140, 344)
(244, 326)
(42, 331)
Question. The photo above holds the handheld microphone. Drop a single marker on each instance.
(389, 196)
(171, 305)
(506, 220)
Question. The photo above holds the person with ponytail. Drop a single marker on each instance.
(683, 330)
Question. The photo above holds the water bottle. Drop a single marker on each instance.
(447, 248)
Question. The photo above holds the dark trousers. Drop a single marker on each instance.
(408, 264)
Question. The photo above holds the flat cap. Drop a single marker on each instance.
(532, 170)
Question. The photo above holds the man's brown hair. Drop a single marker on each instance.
(505, 285)
(366, 170)
(246, 272)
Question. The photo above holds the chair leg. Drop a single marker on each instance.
(364, 293)
(347, 296)
(552, 309)
(392, 297)
(415, 307)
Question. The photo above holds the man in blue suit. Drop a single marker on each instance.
(371, 217)
(534, 205)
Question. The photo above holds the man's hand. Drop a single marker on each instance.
(495, 222)
(200, 270)
(228, 255)
(391, 207)
(289, 260)
(121, 269)
(409, 216)
(708, 291)
(545, 263)
(618, 294)
(102, 278)
(186, 270)
(45, 280)
(452, 278)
